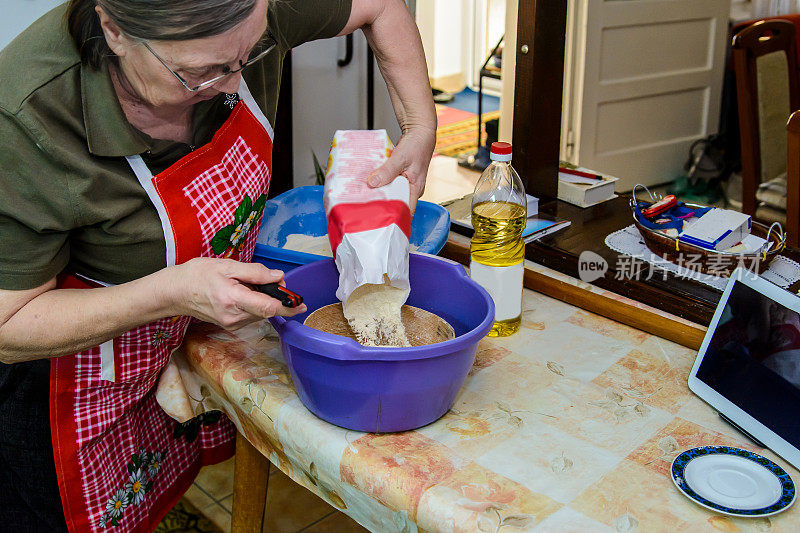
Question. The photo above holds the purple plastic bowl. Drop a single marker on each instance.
(385, 389)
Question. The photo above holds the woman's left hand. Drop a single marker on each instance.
(410, 159)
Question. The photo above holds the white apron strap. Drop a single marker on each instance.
(107, 366)
(247, 98)
(145, 178)
(108, 370)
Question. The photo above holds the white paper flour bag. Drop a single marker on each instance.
(368, 228)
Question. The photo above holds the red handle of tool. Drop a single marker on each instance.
(665, 204)
(279, 292)
(580, 173)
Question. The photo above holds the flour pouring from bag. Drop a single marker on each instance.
(369, 230)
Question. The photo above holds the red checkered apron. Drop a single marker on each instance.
(120, 461)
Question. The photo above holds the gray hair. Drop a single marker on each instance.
(160, 20)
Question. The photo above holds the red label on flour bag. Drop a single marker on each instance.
(368, 228)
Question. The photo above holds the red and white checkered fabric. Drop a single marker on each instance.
(217, 192)
(144, 429)
(143, 353)
(115, 420)
(127, 409)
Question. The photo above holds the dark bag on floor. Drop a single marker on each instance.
(707, 160)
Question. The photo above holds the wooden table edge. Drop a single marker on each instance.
(688, 335)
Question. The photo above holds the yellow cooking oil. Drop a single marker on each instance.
(497, 242)
(504, 328)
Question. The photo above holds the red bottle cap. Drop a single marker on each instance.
(501, 148)
(500, 152)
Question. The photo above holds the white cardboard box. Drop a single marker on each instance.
(718, 229)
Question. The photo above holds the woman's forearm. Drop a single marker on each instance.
(54, 322)
(397, 45)
(65, 321)
(394, 38)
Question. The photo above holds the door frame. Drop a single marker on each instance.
(538, 88)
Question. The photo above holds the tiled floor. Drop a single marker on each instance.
(290, 507)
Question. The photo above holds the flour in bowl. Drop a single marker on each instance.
(373, 312)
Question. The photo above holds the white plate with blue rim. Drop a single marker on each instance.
(733, 481)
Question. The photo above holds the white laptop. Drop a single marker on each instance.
(748, 367)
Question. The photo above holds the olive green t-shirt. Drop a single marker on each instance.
(68, 198)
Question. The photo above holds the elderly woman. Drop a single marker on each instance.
(137, 153)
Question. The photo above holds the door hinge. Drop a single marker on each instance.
(570, 145)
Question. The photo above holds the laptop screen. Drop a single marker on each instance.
(753, 359)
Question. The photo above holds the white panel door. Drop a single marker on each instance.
(644, 80)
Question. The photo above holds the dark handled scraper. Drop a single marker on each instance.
(279, 292)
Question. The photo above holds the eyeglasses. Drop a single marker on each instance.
(261, 49)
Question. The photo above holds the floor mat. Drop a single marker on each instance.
(185, 518)
(457, 132)
(446, 115)
(467, 100)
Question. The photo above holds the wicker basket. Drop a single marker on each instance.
(712, 262)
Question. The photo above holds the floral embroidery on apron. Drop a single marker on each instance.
(143, 469)
(230, 240)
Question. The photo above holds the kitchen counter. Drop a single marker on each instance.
(569, 425)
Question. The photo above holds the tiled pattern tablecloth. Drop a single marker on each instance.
(569, 425)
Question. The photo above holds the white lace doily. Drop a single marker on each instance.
(628, 241)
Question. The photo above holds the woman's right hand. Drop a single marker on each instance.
(217, 291)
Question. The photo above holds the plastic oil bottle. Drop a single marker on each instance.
(497, 250)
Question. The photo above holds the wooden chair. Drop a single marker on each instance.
(793, 180)
(768, 90)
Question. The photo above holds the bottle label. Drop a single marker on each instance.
(504, 285)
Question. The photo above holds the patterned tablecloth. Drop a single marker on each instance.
(569, 425)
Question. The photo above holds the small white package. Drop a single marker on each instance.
(718, 229)
(368, 228)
